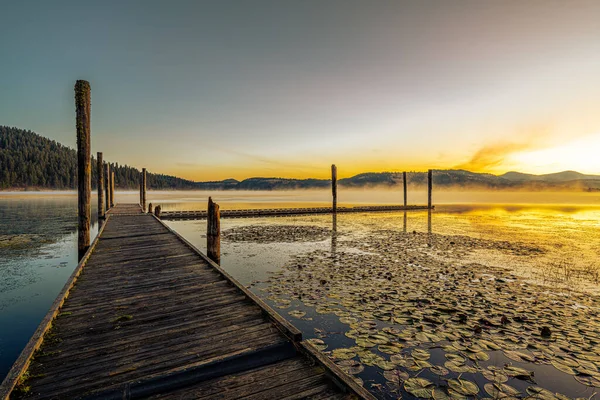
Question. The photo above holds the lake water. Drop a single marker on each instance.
(522, 240)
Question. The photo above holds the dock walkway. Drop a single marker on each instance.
(282, 212)
(146, 315)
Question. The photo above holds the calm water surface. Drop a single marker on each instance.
(38, 245)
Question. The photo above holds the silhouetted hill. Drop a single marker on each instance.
(564, 176)
(28, 160)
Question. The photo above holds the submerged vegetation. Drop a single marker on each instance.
(276, 233)
(405, 315)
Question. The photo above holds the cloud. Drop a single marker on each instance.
(493, 155)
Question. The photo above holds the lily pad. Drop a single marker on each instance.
(297, 313)
(463, 386)
(343, 354)
(419, 387)
(351, 367)
(318, 343)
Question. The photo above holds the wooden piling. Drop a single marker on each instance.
(150, 208)
(84, 164)
(100, 170)
(334, 187)
(213, 232)
(112, 188)
(404, 184)
(429, 187)
(107, 185)
(140, 179)
(143, 188)
(157, 211)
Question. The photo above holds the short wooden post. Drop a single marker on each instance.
(157, 211)
(404, 184)
(112, 188)
(429, 187)
(100, 170)
(143, 188)
(107, 185)
(334, 187)
(213, 232)
(149, 208)
(84, 164)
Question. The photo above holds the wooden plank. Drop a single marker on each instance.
(258, 376)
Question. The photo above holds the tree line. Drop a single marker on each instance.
(31, 161)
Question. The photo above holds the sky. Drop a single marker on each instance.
(235, 89)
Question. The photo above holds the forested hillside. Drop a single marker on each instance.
(28, 160)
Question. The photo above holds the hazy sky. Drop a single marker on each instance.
(211, 90)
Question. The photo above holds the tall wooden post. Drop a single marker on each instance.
(140, 179)
(334, 187)
(143, 188)
(404, 184)
(100, 170)
(429, 187)
(112, 188)
(107, 185)
(84, 164)
(213, 232)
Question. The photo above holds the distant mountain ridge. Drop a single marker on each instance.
(564, 176)
(30, 161)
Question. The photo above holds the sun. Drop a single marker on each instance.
(581, 155)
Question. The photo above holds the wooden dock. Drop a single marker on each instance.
(146, 315)
(283, 212)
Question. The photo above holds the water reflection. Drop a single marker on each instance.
(38, 252)
(334, 234)
(429, 221)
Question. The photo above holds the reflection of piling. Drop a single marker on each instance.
(100, 185)
(334, 235)
(112, 188)
(429, 220)
(429, 187)
(404, 184)
(84, 164)
(334, 187)
(213, 232)
(404, 223)
(143, 188)
(107, 185)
